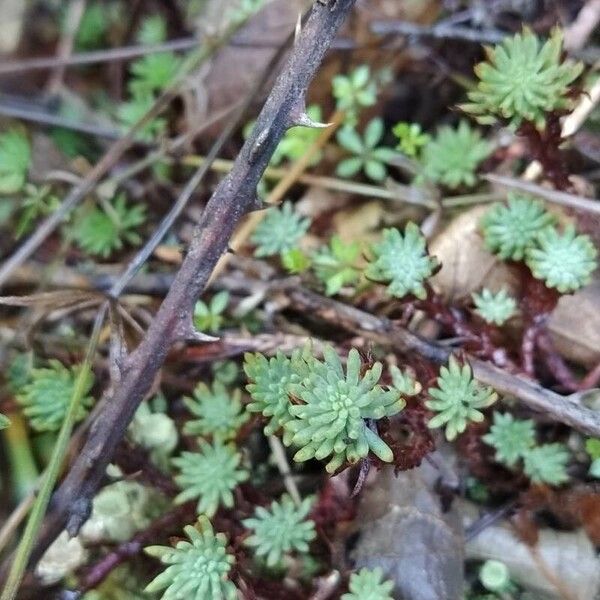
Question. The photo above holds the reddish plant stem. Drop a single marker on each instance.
(545, 148)
(555, 362)
(591, 379)
(528, 345)
(477, 341)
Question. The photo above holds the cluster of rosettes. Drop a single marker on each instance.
(220, 412)
(457, 399)
(514, 440)
(280, 529)
(331, 410)
(330, 420)
(46, 395)
(270, 385)
(368, 584)
(197, 569)
(402, 261)
(523, 80)
(210, 475)
(452, 157)
(522, 229)
(280, 230)
(494, 308)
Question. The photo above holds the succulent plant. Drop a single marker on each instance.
(523, 79)
(219, 411)
(46, 397)
(510, 229)
(410, 138)
(329, 418)
(210, 475)
(367, 155)
(196, 569)
(494, 308)
(280, 529)
(565, 262)
(270, 381)
(354, 91)
(547, 464)
(368, 584)
(511, 438)
(457, 399)
(452, 157)
(402, 260)
(404, 382)
(336, 264)
(280, 230)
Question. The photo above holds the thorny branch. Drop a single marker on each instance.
(235, 197)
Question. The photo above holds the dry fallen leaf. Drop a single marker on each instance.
(406, 533)
(575, 325)
(466, 264)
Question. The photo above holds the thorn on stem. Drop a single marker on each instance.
(188, 333)
(303, 120)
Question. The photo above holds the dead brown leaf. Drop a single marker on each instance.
(575, 325)
(466, 264)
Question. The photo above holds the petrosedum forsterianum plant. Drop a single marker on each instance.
(510, 229)
(219, 411)
(280, 529)
(511, 438)
(402, 261)
(547, 464)
(368, 584)
(329, 416)
(494, 308)
(197, 569)
(404, 382)
(280, 230)
(210, 475)
(270, 381)
(452, 157)
(46, 397)
(457, 399)
(523, 79)
(563, 261)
